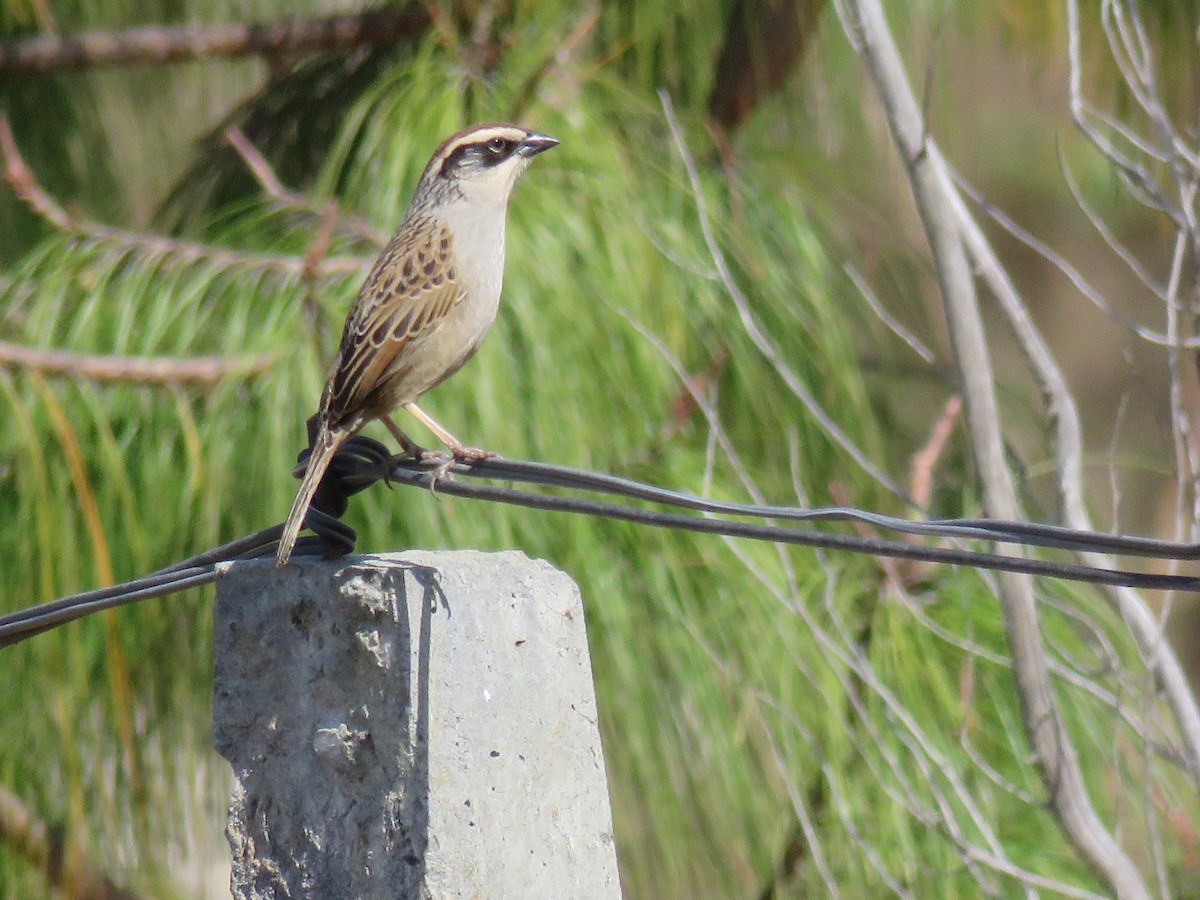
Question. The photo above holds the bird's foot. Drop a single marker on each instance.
(473, 454)
(447, 461)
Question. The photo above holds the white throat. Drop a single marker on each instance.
(476, 216)
(477, 222)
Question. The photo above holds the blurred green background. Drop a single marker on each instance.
(737, 683)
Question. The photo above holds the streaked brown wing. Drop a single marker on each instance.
(408, 293)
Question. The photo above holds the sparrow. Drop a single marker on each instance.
(426, 305)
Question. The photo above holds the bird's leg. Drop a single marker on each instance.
(407, 444)
(458, 450)
(409, 449)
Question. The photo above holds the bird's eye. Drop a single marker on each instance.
(496, 147)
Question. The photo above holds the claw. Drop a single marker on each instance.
(456, 455)
(394, 460)
(442, 471)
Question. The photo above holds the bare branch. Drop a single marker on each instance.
(25, 186)
(1144, 627)
(808, 832)
(155, 246)
(199, 370)
(159, 45)
(897, 327)
(259, 167)
(1132, 51)
(1097, 222)
(934, 193)
(1060, 262)
(1132, 56)
(288, 199)
(927, 457)
(1146, 631)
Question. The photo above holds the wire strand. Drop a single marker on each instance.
(363, 461)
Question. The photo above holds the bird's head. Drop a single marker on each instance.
(481, 164)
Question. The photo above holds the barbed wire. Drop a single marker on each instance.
(364, 461)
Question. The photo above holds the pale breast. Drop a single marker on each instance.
(423, 311)
(475, 268)
(478, 254)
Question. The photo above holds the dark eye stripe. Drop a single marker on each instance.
(485, 152)
(456, 156)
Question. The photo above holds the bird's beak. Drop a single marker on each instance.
(535, 143)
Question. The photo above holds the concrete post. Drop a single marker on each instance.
(419, 725)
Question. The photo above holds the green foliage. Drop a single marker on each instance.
(730, 676)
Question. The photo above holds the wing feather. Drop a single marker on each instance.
(409, 292)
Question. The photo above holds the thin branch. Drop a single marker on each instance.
(895, 325)
(1097, 222)
(1146, 630)
(205, 371)
(923, 462)
(1141, 79)
(1144, 627)
(1028, 878)
(807, 837)
(1061, 263)
(155, 246)
(903, 574)
(1135, 175)
(160, 45)
(1135, 140)
(286, 198)
(933, 766)
(259, 167)
(841, 805)
(25, 186)
(751, 324)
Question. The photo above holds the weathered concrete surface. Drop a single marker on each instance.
(411, 725)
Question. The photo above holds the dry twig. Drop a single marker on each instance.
(155, 246)
(159, 45)
(204, 371)
(20, 179)
(286, 198)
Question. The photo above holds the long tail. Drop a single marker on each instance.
(324, 447)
